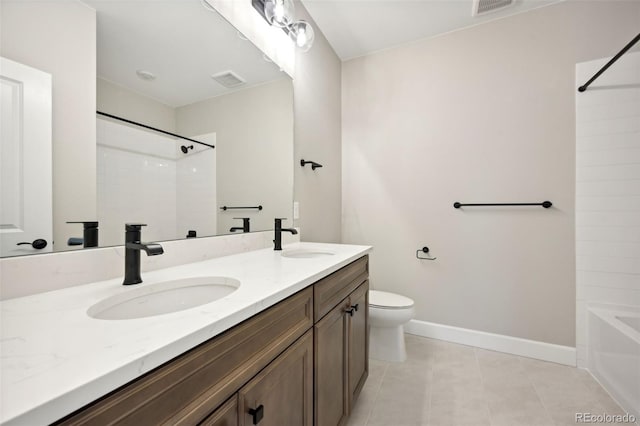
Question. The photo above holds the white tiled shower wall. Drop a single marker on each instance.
(144, 177)
(607, 189)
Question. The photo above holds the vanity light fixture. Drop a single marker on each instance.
(301, 32)
(279, 13)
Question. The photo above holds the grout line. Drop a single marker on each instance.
(429, 405)
(484, 389)
(581, 196)
(632, 145)
(375, 398)
(607, 133)
(535, 389)
(614, 164)
(603, 179)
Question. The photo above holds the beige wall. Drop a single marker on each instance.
(318, 137)
(254, 149)
(485, 114)
(120, 101)
(60, 39)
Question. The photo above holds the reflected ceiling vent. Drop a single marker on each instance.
(229, 79)
(481, 7)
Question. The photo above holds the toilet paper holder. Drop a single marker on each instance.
(425, 250)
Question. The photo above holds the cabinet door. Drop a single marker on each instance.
(227, 415)
(358, 343)
(330, 374)
(282, 393)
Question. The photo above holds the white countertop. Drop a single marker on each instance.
(56, 359)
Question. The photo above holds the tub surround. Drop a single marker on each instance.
(607, 195)
(613, 357)
(51, 345)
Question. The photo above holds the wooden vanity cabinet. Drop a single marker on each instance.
(189, 388)
(287, 365)
(281, 394)
(341, 344)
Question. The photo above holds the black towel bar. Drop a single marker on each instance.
(240, 208)
(545, 204)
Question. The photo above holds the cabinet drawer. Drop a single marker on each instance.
(329, 291)
(187, 389)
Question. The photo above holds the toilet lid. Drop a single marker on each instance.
(385, 300)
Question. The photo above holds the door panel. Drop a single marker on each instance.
(25, 158)
(331, 407)
(282, 393)
(358, 342)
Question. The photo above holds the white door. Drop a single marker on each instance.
(25, 160)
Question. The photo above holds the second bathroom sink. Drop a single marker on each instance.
(163, 298)
(306, 253)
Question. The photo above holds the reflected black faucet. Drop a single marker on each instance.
(132, 247)
(278, 228)
(89, 236)
(245, 225)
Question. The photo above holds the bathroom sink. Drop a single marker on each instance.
(163, 298)
(306, 253)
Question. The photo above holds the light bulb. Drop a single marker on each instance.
(279, 13)
(301, 39)
(302, 34)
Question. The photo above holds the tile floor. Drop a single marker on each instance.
(445, 384)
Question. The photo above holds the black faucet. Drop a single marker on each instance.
(245, 225)
(132, 247)
(89, 236)
(278, 228)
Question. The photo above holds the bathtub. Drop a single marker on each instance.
(614, 352)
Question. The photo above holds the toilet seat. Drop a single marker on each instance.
(385, 300)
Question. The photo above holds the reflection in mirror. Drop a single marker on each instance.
(180, 68)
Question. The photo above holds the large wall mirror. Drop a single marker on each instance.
(193, 126)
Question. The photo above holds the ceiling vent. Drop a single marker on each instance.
(481, 7)
(229, 79)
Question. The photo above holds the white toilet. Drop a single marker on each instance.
(388, 312)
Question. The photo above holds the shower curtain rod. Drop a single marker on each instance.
(115, 117)
(608, 64)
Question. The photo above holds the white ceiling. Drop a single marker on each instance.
(359, 27)
(179, 41)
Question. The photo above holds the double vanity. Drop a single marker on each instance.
(263, 337)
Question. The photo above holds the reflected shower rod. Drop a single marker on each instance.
(164, 132)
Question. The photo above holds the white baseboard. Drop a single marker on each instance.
(495, 342)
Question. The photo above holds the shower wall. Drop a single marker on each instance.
(143, 177)
(607, 190)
